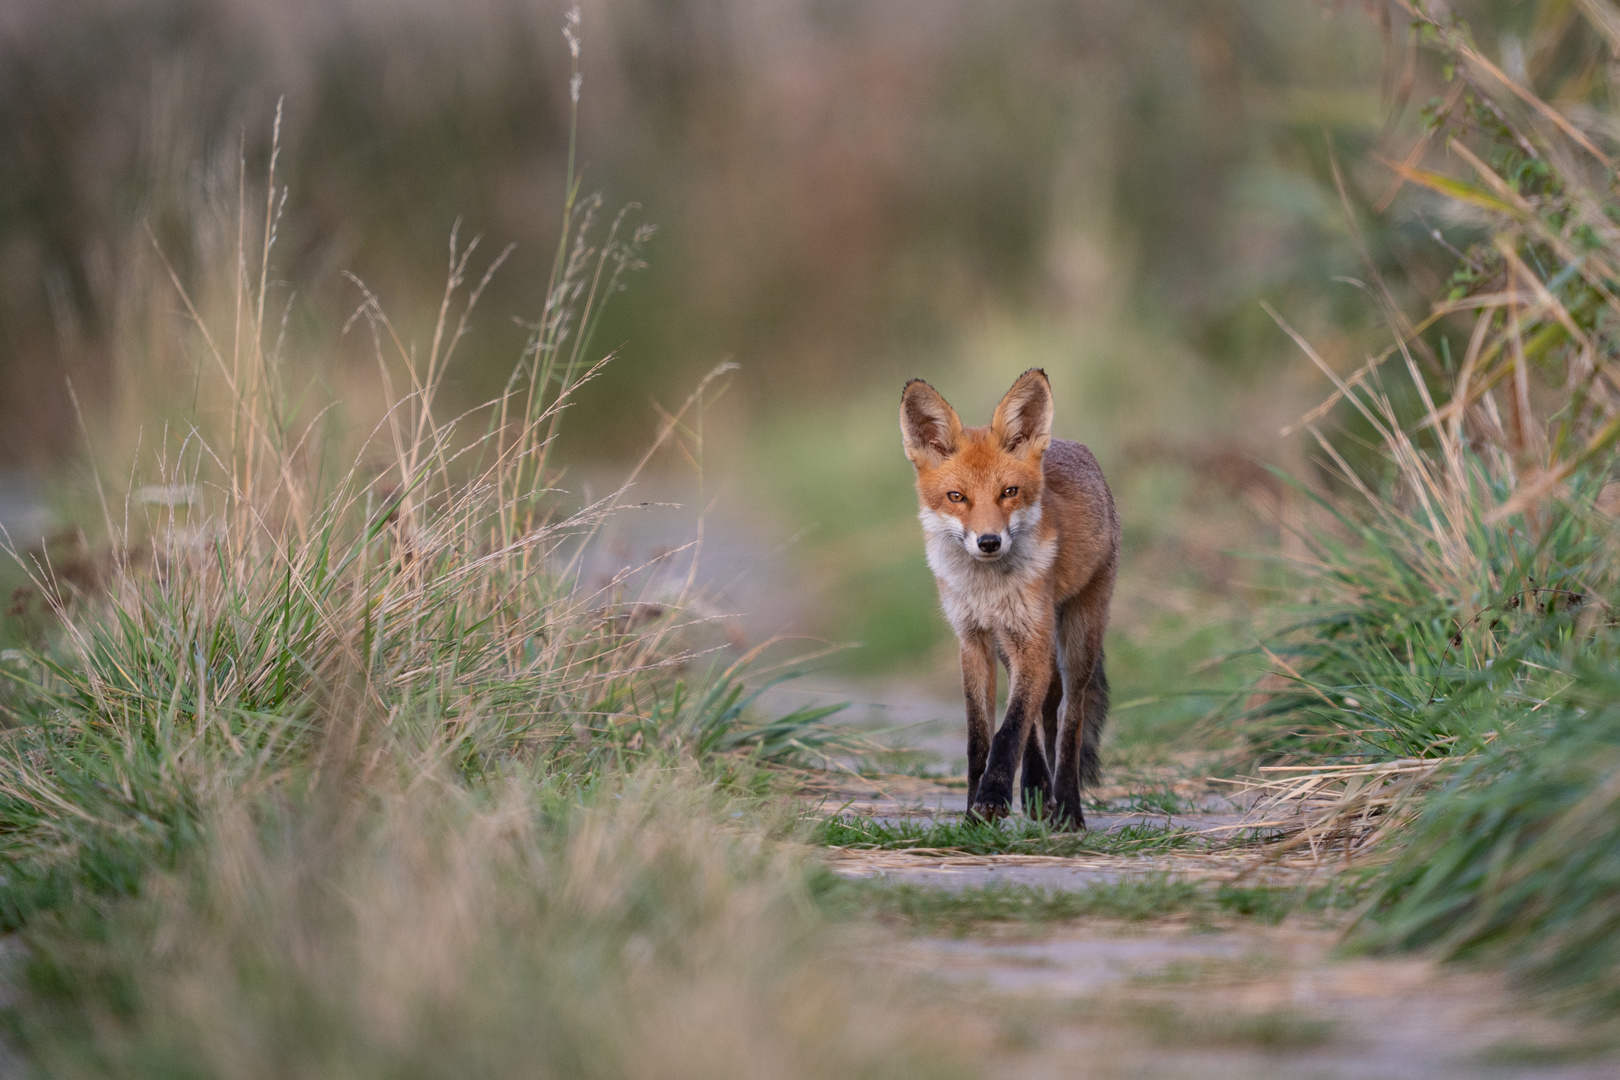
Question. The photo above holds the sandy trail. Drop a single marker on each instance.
(1179, 997)
(1174, 999)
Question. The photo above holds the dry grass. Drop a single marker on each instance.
(1334, 811)
(639, 932)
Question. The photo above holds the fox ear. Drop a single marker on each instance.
(929, 427)
(1023, 420)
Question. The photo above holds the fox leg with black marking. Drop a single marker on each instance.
(1030, 671)
(979, 690)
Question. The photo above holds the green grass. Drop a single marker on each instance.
(1522, 1053)
(1398, 658)
(1013, 836)
(930, 909)
(1517, 860)
(1278, 1029)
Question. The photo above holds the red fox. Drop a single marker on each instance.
(1022, 536)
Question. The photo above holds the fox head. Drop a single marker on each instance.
(980, 487)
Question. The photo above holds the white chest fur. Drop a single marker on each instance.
(999, 595)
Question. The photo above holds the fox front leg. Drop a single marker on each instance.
(979, 691)
(1030, 667)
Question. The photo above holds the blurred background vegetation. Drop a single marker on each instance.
(846, 194)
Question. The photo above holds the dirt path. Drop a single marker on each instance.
(1193, 997)
(1171, 999)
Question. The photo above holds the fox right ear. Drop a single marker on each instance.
(929, 426)
(1023, 420)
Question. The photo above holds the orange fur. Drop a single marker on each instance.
(1022, 536)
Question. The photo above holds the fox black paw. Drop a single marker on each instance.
(1037, 803)
(989, 809)
(1067, 815)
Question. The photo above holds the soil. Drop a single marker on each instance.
(1172, 999)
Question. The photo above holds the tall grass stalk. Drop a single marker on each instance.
(258, 612)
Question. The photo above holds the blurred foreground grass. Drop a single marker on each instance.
(404, 922)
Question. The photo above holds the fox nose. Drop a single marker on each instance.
(989, 543)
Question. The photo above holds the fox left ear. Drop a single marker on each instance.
(929, 426)
(1023, 420)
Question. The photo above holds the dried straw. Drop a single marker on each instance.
(1333, 810)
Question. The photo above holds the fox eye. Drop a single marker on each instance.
(1007, 493)
(955, 496)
